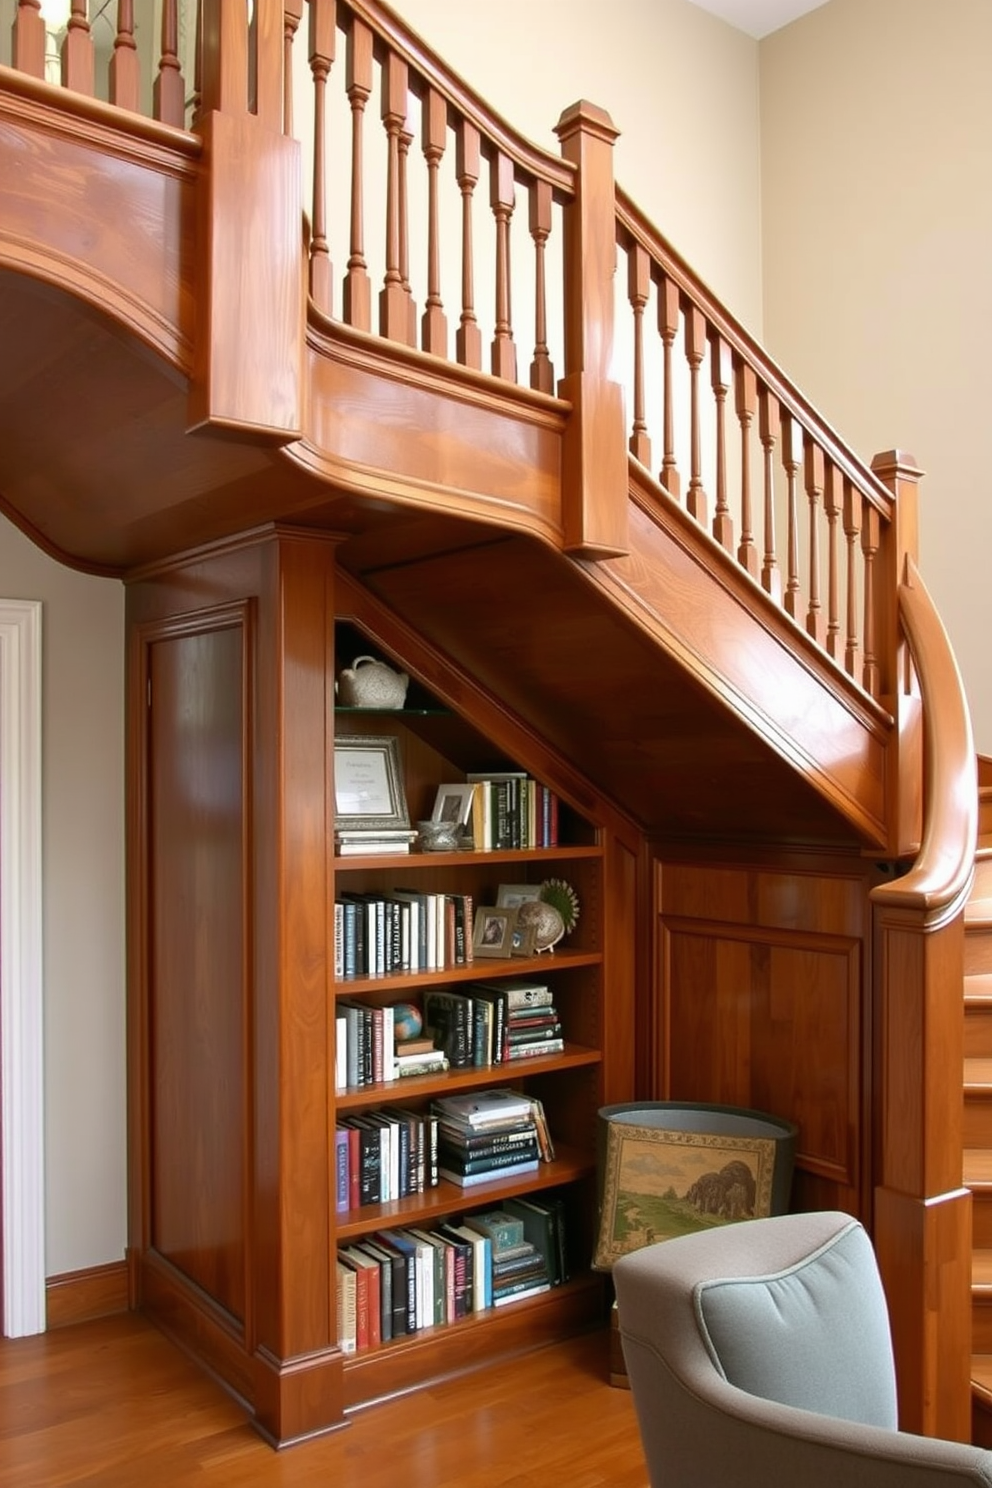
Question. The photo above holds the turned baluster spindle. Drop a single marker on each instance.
(792, 459)
(124, 76)
(502, 198)
(542, 372)
(394, 302)
(852, 534)
(169, 90)
(833, 499)
(638, 291)
(357, 288)
(746, 396)
(695, 350)
(434, 123)
(27, 39)
(813, 469)
(292, 15)
(406, 140)
(870, 539)
(769, 432)
(668, 326)
(468, 337)
(77, 51)
(721, 371)
(323, 34)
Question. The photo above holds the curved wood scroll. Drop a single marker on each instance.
(922, 1211)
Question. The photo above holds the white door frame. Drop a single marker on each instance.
(21, 1009)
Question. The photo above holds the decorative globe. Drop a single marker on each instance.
(408, 1021)
(549, 927)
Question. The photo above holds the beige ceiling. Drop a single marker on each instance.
(758, 18)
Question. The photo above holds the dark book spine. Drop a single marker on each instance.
(458, 1162)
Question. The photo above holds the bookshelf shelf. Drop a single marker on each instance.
(447, 1198)
(398, 1092)
(523, 966)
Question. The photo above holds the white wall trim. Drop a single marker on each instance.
(21, 1008)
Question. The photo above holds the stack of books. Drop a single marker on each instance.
(355, 841)
(525, 1020)
(488, 1135)
(518, 1267)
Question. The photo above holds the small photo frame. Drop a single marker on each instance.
(368, 782)
(494, 926)
(513, 895)
(523, 941)
(453, 803)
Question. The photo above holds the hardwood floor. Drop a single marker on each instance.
(113, 1403)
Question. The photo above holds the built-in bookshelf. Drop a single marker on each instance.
(436, 745)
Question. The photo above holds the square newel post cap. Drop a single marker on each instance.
(587, 118)
(893, 465)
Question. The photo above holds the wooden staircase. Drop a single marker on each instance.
(978, 1114)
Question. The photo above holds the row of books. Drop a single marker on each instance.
(511, 810)
(477, 1137)
(396, 1282)
(401, 931)
(492, 1024)
(383, 1155)
(366, 1051)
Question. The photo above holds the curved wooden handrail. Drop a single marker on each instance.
(939, 880)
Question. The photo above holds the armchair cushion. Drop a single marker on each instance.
(824, 1330)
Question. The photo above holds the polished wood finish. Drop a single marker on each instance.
(115, 1402)
(81, 1296)
(922, 1210)
(763, 1004)
(572, 607)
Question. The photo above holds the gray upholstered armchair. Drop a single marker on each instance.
(759, 1353)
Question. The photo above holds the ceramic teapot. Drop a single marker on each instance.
(368, 683)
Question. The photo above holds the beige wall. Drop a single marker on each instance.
(877, 233)
(83, 902)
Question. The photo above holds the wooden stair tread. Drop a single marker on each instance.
(978, 988)
(977, 1165)
(981, 1272)
(978, 912)
(978, 1075)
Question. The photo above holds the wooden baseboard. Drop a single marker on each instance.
(78, 1296)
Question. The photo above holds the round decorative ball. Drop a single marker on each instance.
(407, 1021)
(549, 927)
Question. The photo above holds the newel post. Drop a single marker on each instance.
(594, 455)
(900, 693)
(250, 305)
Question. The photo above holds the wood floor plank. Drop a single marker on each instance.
(114, 1404)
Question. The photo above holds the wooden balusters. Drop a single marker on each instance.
(542, 373)
(746, 395)
(28, 39)
(502, 198)
(813, 470)
(468, 337)
(770, 429)
(357, 297)
(833, 505)
(406, 140)
(695, 350)
(394, 313)
(77, 51)
(434, 329)
(720, 375)
(792, 458)
(168, 92)
(668, 325)
(124, 84)
(321, 56)
(292, 15)
(638, 290)
(852, 533)
(870, 538)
